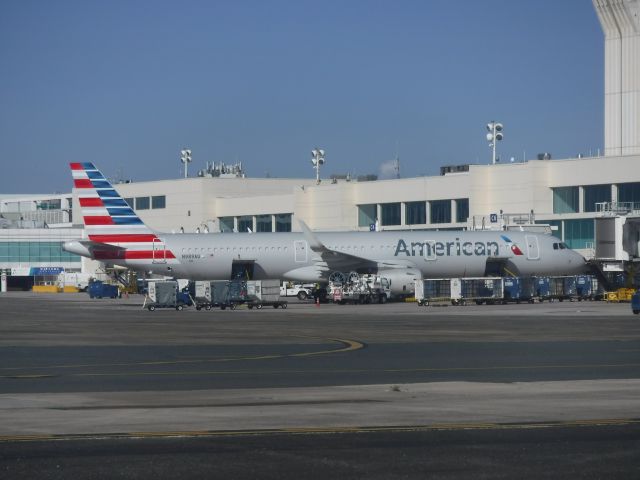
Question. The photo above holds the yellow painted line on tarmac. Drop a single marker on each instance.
(348, 346)
(605, 422)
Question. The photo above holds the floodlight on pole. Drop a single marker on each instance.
(495, 135)
(185, 157)
(317, 159)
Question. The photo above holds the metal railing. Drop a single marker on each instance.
(617, 208)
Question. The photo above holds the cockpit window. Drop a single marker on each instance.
(555, 246)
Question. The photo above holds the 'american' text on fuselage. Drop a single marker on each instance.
(431, 249)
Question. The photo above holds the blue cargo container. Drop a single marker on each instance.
(635, 303)
(541, 286)
(587, 287)
(98, 289)
(519, 289)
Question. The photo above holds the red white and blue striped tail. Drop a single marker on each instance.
(109, 220)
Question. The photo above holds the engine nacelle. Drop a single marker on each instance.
(402, 280)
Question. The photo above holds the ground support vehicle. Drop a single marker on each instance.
(262, 293)
(635, 302)
(235, 294)
(99, 289)
(300, 290)
(519, 289)
(209, 294)
(438, 291)
(620, 295)
(481, 290)
(165, 294)
(360, 289)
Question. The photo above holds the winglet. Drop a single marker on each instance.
(314, 243)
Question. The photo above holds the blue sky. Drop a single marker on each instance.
(127, 84)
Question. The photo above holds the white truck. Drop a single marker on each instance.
(360, 289)
(300, 290)
(74, 279)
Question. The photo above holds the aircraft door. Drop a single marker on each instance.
(159, 252)
(533, 250)
(301, 251)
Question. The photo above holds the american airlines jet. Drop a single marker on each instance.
(117, 236)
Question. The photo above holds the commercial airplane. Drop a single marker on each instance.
(117, 236)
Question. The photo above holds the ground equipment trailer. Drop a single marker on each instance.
(99, 289)
(438, 291)
(210, 294)
(262, 293)
(165, 294)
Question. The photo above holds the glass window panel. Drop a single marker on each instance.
(367, 214)
(440, 211)
(283, 222)
(595, 194)
(159, 201)
(245, 223)
(629, 192)
(577, 233)
(226, 224)
(565, 199)
(263, 223)
(390, 213)
(462, 210)
(130, 202)
(415, 213)
(142, 203)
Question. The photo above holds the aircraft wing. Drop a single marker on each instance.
(345, 262)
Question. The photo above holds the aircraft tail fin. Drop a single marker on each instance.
(108, 218)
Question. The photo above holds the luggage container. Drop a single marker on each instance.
(519, 289)
(563, 288)
(264, 292)
(635, 303)
(165, 294)
(587, 287)
(209, 294)
(542, 289)
(231, 294)
(432, 291)
(98, 289)
(481, 290)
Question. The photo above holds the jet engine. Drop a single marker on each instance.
(402, 280)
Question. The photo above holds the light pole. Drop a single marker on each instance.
(494, 136)
(185, 157)
(317, 159)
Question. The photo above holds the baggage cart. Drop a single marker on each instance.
(434, 291)
(233, 293)
(262, 293)
(588, 288)
(481, 290)
(210, 294)
(519, 289)
(635, 303)
(542, 289)
(165, 294)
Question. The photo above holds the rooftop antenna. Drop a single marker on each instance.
(396, 162)
(185, 158)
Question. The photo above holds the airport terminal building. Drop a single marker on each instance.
(592, 203)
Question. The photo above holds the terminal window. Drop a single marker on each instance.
(263, 223)
(35, 252)
(579, 233)
(226, 224)
(415, 213)
(390, 213)
(462, 210)
(595, 194)
(440, 211)
(142, 203)
(629, 192)
(367, 214)
(283, 222)
(159, 201)
(245, 223)
(566, 199)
